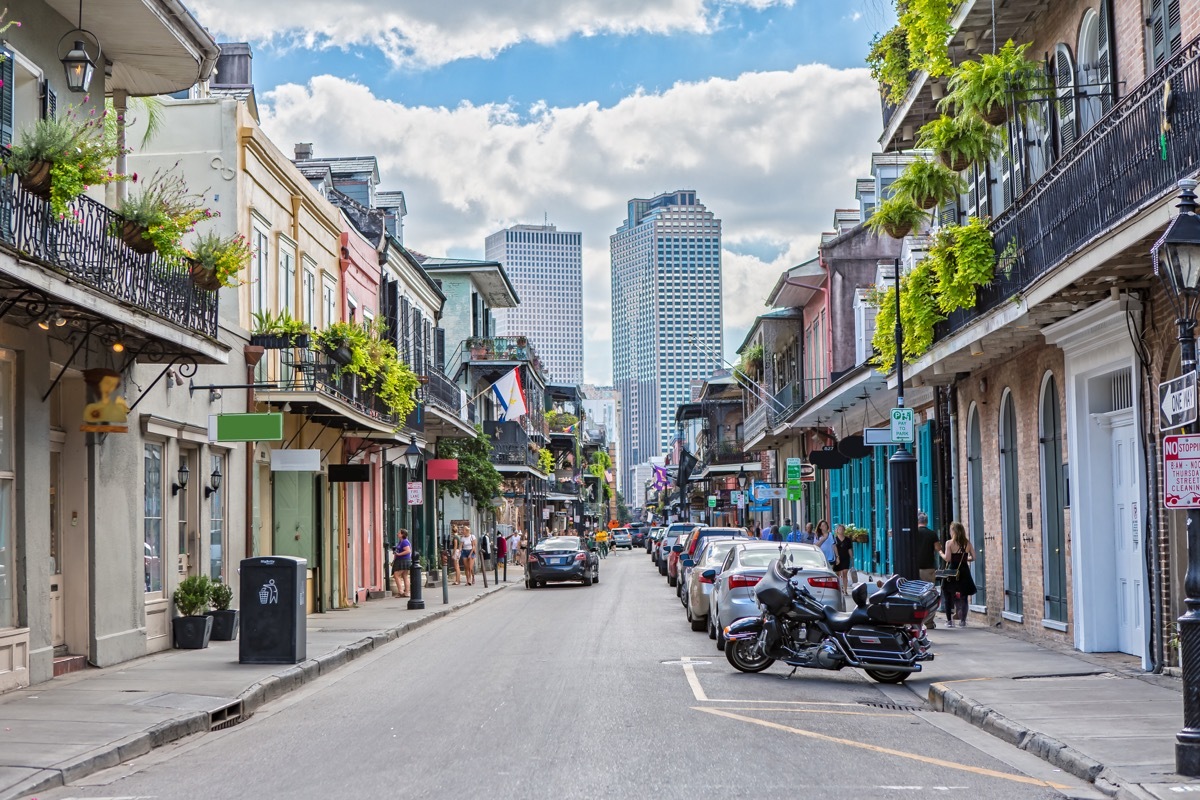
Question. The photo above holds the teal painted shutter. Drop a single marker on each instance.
(925, 469)
(7, 109)
(835, 494)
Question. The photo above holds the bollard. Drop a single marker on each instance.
(416, 601)
(496, 568)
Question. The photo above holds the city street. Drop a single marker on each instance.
(572, 692)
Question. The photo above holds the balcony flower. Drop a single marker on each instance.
(216, 261)
(159, 215)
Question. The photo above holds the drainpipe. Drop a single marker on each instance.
(120, 108)
(253, 355)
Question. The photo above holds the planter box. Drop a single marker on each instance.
(37, 179)
(280, 341)
(341, 355)
(224, 625)
(192, 633)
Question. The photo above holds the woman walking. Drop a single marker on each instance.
(401, 564)
(468, 553)
(843, 548)
(456, 553)
(958, 553)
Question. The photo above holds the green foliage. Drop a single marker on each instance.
(221, 595)
(599, 464)
(918, 309)
(623, 515)
(226, 256)
(751, 360)
(561, 420)
(78, 150)
(376, 363)
(167, 209)
(884, 338)
(151, 108)
(929, 184)
(996, 82)
(960, 141)
(976, 256)
(477, 475)
(926, 24)
(891, 63)
(545, 460)
(193, 595)
(281, 323)
(896, 216)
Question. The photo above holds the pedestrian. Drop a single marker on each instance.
(769, 532)
(501, 549)
(602, 542)
(810, 536)
(485, 551)
(784, 531)
(758, 531)
(467, 553)
(958, 553)
(824, 540)
(929, 547)
(401, 563)
(843, 548)
(794, 534)
(456, 553)
(523, 549)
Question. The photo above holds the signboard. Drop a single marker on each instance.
(760, 505)
(247, 427)
(795, 494)
(1177, 401)
(712, 501)
(878, 437)
(768, 493)
(793, 469)
(741, 499)
(545, 513)
(442, 469)
(349, 473)
(416, 493)
(295, 461)
(808, 473)
(903, 425)
(1181, 471)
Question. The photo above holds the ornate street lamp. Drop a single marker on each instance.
(742, 481)
(416, 600)
(78, 64)
(181, 479)
(412, 455)
(214, 482)
(1176, 258)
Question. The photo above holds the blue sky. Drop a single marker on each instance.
(488, 114)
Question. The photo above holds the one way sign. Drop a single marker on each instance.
(1177, 401)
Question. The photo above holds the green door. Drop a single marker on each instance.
(295, 515)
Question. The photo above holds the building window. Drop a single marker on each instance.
(308, 297)
(152, 514)
(328, 301)
(262, 252)
(287, 280)
(216, 527)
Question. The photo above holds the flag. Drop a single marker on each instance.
(661, 478)
(571, 428)
(509, 396)
(608, 476)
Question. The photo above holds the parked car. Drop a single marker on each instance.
(638, 535)
(621, 537)
(559, 559)
(732, 595)
(652, 539)
(699, 583)
(670, 536)
(691, 548)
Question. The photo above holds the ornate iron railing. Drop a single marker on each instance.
(787, 401)
(726, 451)
(81, 249)
(756, 423)
(510, 444)
(442, 392)
(302, 370)
(1113, 171)
(500, 348)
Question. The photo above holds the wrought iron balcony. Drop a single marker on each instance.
(563, 487)
(510, 444)
(1114, 171)
(787, 402)
(82, 251)
(726, 451)
(500, 348)
(302, 370)
(442, 392)
(756, 423)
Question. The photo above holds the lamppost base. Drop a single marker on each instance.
(1187, 758)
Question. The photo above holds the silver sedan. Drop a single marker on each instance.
(734, 580)
(712, 556)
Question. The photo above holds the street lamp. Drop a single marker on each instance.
(742, 480)
(412, 455)
(416, 599)
(1176, 258)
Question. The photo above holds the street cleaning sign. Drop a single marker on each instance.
(1177, 402)
(1181, 471)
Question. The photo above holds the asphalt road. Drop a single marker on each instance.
(599, 692)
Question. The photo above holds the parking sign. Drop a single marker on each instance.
(903, 425)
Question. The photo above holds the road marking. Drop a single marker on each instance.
(689, 672)
(816, 711)
(991, 773)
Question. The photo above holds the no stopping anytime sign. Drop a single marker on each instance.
(1181, 471)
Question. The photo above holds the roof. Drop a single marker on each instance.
(391, 199)
(490, 276)
(797, 286)
(347, 165)
(779, 313)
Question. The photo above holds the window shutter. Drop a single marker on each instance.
(1174, 28)
(418, 351)
(439, 348)
(428, 347)
(948, 214)
(49, 101)
(405, 332)
(1166, 31)
(981, 191)
(1006, 184)
(1104, 64)
(7, 107)
(1064, 80)
(391, 310)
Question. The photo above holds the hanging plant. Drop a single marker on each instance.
(158, 216)
(995, 83)
(897, 216)
(960, 141)
(751, 360)
(884, 338)
(963, 258)
(545, 460)
(918, 309)
(216, 260)
(927, 25)
(929, 184)
(891, 64)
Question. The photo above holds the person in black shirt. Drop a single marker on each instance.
(928, 546)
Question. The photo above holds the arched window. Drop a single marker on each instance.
(1054, 544)
(1064, 103)
(975, 526)
(1010, 505)
(1094, 69)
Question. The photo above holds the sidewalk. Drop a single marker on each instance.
(81, 723)
(1097, 716)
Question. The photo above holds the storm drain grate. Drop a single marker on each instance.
(891, 706)
(225, 717)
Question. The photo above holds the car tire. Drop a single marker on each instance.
(698, 623)
(596, 577)
(587, 580)
(720, 640)
(670, 580)
(662, 569)
(712, 628)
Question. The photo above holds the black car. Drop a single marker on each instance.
(559, 559)
(639, 535)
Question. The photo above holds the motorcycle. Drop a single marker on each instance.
(884, 635)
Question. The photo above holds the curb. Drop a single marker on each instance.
(1044, 747)
(253, 698)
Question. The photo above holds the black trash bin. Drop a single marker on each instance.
(273, 610)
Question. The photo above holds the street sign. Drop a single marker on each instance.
(761, 506)
(1177, 401)
(767, 493)
(545, 513)
(903, 425)
(741, 499)
(795, 494)
(416, 493)
(793, 469)
(878, 437)
(808, 473)
(1181, 471)
(712, 501)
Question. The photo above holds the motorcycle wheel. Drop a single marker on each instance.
(744, 656)
(887, 675)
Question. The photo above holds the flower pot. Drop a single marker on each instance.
(192, 633)
(340, 354)
(133, 235)
(37, 179)
(955, 163)
(897, 231)
(997, 114)
(224, 625)
(203, 276)
(279, 341)
(928, 202)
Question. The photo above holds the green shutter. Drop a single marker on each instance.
(7, 110)
(835, 494)
(925, 471)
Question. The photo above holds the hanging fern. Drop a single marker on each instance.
(943, 260)
(975, 253)
(884, 338)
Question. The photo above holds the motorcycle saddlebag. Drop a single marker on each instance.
(877, 646)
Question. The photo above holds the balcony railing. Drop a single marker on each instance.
(299, 369)
(81, 250)
(442, 392)
(756, 423)
(510, 444)
(1112, 172)
(500, 348)
(726, 451)
(787, 401)
(563, 487)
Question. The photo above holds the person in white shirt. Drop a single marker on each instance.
(467, 540)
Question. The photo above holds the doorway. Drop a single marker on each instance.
(1010, 510)
(975, 506)
(1054, 540)
(1131, 634)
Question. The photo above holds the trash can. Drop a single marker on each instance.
(273, 610)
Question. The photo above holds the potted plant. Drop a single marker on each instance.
(997, 81)
(959, 141)
(962, 258)
(897, 216)
(193, 627)
(224, 618)
(339, 341)
(928, 183)
(278, 331)
(157, 217)
(216, 260)
(57, 158)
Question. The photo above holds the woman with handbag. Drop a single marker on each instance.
(958, 553)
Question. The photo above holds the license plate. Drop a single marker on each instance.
(558, 561)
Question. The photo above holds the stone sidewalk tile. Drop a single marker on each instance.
(76, 725)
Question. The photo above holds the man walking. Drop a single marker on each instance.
(784, 531)
(928, 548)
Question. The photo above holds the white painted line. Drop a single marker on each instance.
(689, 672)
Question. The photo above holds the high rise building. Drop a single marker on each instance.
(666, 315)
(546, 268)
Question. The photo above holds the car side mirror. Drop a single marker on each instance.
(676, 548)
(709, 574)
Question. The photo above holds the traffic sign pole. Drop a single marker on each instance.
(902, 471)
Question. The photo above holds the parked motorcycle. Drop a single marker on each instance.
(884, 634)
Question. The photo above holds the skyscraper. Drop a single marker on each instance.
(546, 268)
(666, 315)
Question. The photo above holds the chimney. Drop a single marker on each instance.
(233, 66)
(303, 151)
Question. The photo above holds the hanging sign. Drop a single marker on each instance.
(1177, 402)
(545, 513)
(442, 469)
(349, 473)
(246, 427)
(109, 413)
(416, 493)
(295, 461)
(1181, 471)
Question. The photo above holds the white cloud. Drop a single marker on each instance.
(422, 34)
(771, 154)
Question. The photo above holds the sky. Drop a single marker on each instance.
(488, 114)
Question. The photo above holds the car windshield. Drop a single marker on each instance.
(804, 557)
(716, 552)
(559, 543)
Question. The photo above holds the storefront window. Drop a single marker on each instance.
(217, 523)
(153, 516)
